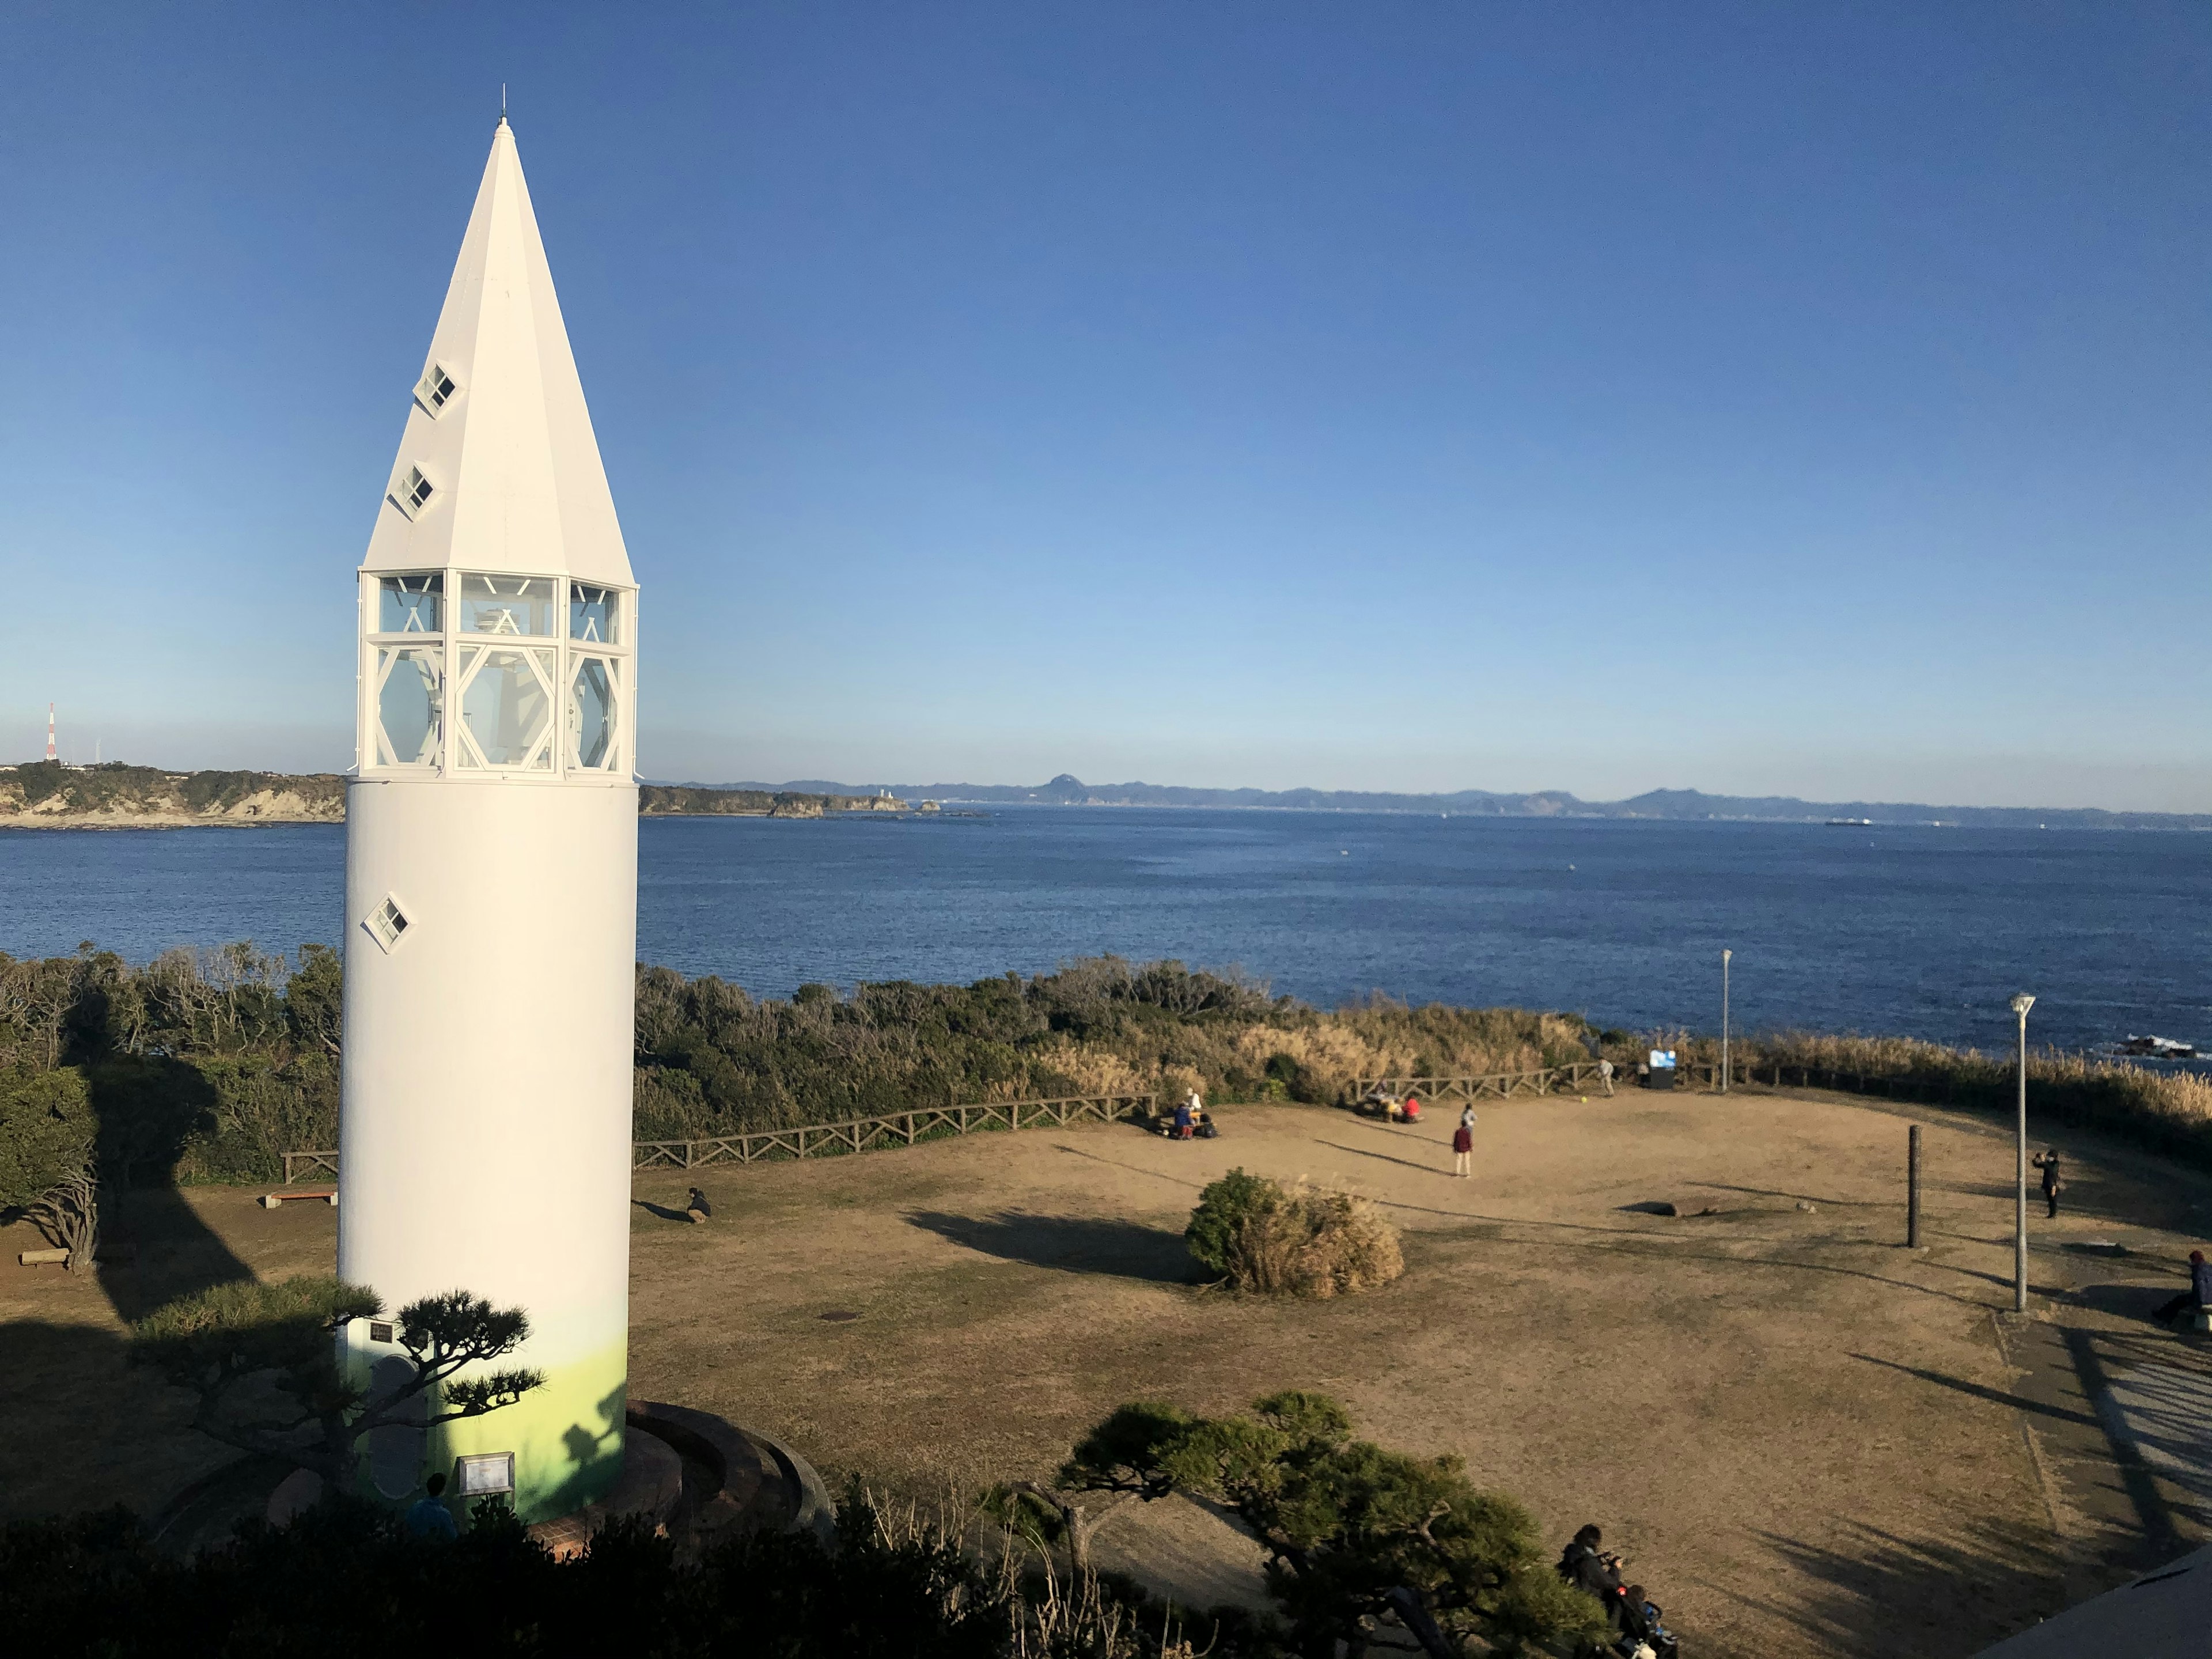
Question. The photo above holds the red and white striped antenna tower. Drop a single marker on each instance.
(51, 755)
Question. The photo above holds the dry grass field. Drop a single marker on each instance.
(1806, 1438)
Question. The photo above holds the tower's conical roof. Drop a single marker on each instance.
(513, 469)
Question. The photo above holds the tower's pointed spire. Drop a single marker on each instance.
(498, 469)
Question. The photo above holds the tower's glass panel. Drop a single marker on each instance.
(508, 605)
(594, 687)
(594, 614)
(409, 705)
(507, 708)
(411, 605)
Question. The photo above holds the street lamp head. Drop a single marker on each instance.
(1725, 954)
(2022, 1004)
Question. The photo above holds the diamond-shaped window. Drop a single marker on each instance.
(387, 924)
(436, 389)
(411, 491)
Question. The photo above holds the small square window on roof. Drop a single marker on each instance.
(411, 492)
(436, 389)
(387, 924)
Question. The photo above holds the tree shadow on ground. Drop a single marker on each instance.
(1883, 1596)
(171, 1252)
(153, 1246)
(2085, 1196)
(1086, 1244)
(1799, 1197)
(86, 1429)
(1387, 1157)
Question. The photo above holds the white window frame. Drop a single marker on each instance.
(410, 920)
(402, 493)
(376, 757)
(473, 653)
(426, 391)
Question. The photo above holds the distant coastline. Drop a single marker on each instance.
(46, 795)
(1670, 805)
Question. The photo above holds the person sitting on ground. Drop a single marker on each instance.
(697, 1207)
(2199, 1293)
(1635, 1625)
(1412, 1109)
(1582, 1564)
(428, 1517)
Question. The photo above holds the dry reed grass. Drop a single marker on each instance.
(1052, 1611)
(1312, 1242)
(2166, 1111)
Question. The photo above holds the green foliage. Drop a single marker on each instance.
(1346, 1523)
(202, 1065)
(249, 1326)
(711, 1059)
(1224, 1209)
(47, 1131)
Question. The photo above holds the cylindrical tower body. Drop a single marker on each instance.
(491, 886)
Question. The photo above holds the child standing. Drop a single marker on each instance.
(1463, 1145)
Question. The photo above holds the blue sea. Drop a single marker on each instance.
(1920, 930)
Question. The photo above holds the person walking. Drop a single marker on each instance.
(1463, 1145)
(2052, 1186)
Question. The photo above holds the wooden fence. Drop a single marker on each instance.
(1499, 1085)
(297, 1163)
(858, 1134)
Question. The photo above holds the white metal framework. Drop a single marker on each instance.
(484, 673)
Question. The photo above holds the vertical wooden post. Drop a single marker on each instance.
(1912, 1190)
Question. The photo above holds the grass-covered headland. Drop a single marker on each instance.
(208, 1065)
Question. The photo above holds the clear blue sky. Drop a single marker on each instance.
(1804, 399)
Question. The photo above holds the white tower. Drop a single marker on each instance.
(52, 754)
(491, 877)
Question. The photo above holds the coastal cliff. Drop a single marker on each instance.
(47, 795)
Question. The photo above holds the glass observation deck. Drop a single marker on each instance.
(470, 672)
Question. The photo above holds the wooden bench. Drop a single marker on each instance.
(43, 1258)
(328, 1194)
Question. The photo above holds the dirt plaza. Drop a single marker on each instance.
(1806, 1438)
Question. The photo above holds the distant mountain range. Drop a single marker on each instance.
(1668, 804)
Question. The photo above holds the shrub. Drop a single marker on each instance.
(1299, 1241)
(1353, 1533)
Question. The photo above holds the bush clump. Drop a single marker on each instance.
(1298, 1241)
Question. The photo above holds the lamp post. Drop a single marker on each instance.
(2020, 1005)
(1725, 954)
